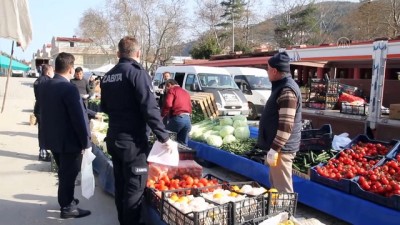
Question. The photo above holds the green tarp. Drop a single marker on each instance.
(5, 62)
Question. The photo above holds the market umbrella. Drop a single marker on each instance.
(15, 25)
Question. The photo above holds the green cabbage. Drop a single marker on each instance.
(239, 117)
(214, 140)
(226, 130)
(217, 128)
(242, 133)
(239, 123)
(226, 121)
(229, 139)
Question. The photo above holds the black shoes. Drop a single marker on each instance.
(44, 155)
(72, 211)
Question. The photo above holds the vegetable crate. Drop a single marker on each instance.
(316, 139)
(281, 202)
(217, 214)
(388, 197)
(347, 108)
(365, 139)
(207, 104)
(186, 153)
(390, 202)
(342, 184)
(153, 199)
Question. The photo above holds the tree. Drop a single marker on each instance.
(234, 10)
(205, 49)
(158, 26)
(296, 25)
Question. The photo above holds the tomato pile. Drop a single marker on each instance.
(166, 183)
(383, 180)
(353, 162)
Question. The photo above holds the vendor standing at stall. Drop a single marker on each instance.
(177, 109)
(280, 123)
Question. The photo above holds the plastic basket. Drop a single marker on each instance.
(364, 139)
(218, 214)
(390, 202)
(280, 202)
(347, 108)
(153, 199)
(395, 150)
(186, 153)
(248, 209)
(342, 184)
(316, 139)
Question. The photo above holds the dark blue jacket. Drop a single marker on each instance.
(127, 97)
(269, 120)
(64, 119)
(36, 86)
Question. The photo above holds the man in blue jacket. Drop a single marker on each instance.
(127, 97)
(65, 131)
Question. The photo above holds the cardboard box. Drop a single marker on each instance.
(394, 111)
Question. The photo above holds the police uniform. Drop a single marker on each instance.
(128, 99)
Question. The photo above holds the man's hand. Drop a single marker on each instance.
(169, 145)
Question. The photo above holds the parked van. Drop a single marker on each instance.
(218, 81)
(255, 86)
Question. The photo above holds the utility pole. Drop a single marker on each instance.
(233, 27)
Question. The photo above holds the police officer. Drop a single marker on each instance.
(127, 97)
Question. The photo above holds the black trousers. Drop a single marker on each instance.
(69, 166)
(130, 173)
(39, 132)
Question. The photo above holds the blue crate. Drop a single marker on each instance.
(342, 184)
(390, 202)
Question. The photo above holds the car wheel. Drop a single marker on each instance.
(252, 112)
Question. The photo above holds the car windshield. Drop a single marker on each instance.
(258, 82)
(212, 80)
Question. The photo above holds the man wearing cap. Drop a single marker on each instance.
(280, 123)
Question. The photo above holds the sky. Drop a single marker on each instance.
(59, 18)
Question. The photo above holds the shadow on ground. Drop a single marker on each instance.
(17, 133)
(18, 155)
(37, 209)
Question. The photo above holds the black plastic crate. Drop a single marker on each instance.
(248, 209)
(365, 139)
(390, 202)
(253, 184)
(347, 108)
(395, 150)
(153, 199)
(342, 184)
(316, 139)
(280, 202)
(186, 153)
(218, 214)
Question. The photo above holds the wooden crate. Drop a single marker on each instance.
(207, 104)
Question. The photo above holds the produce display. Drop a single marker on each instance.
(304, 160)
(227, 130)
(353, 162)
(383, 180)
(185, 181)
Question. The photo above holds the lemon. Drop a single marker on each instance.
(235, 188)
(233, 194)
(174, 198)
(217, 195)
(273, 190)
(182, 199)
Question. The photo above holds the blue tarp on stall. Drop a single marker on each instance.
(5, 62)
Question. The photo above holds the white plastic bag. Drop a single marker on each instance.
(87, 180)
(160, 154)
(281, 217)
(341, 140)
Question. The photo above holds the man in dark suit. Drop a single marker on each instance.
(65, 131)
(47, 73)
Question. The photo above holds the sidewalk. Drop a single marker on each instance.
(28, 191)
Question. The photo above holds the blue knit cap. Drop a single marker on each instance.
(280, 61)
